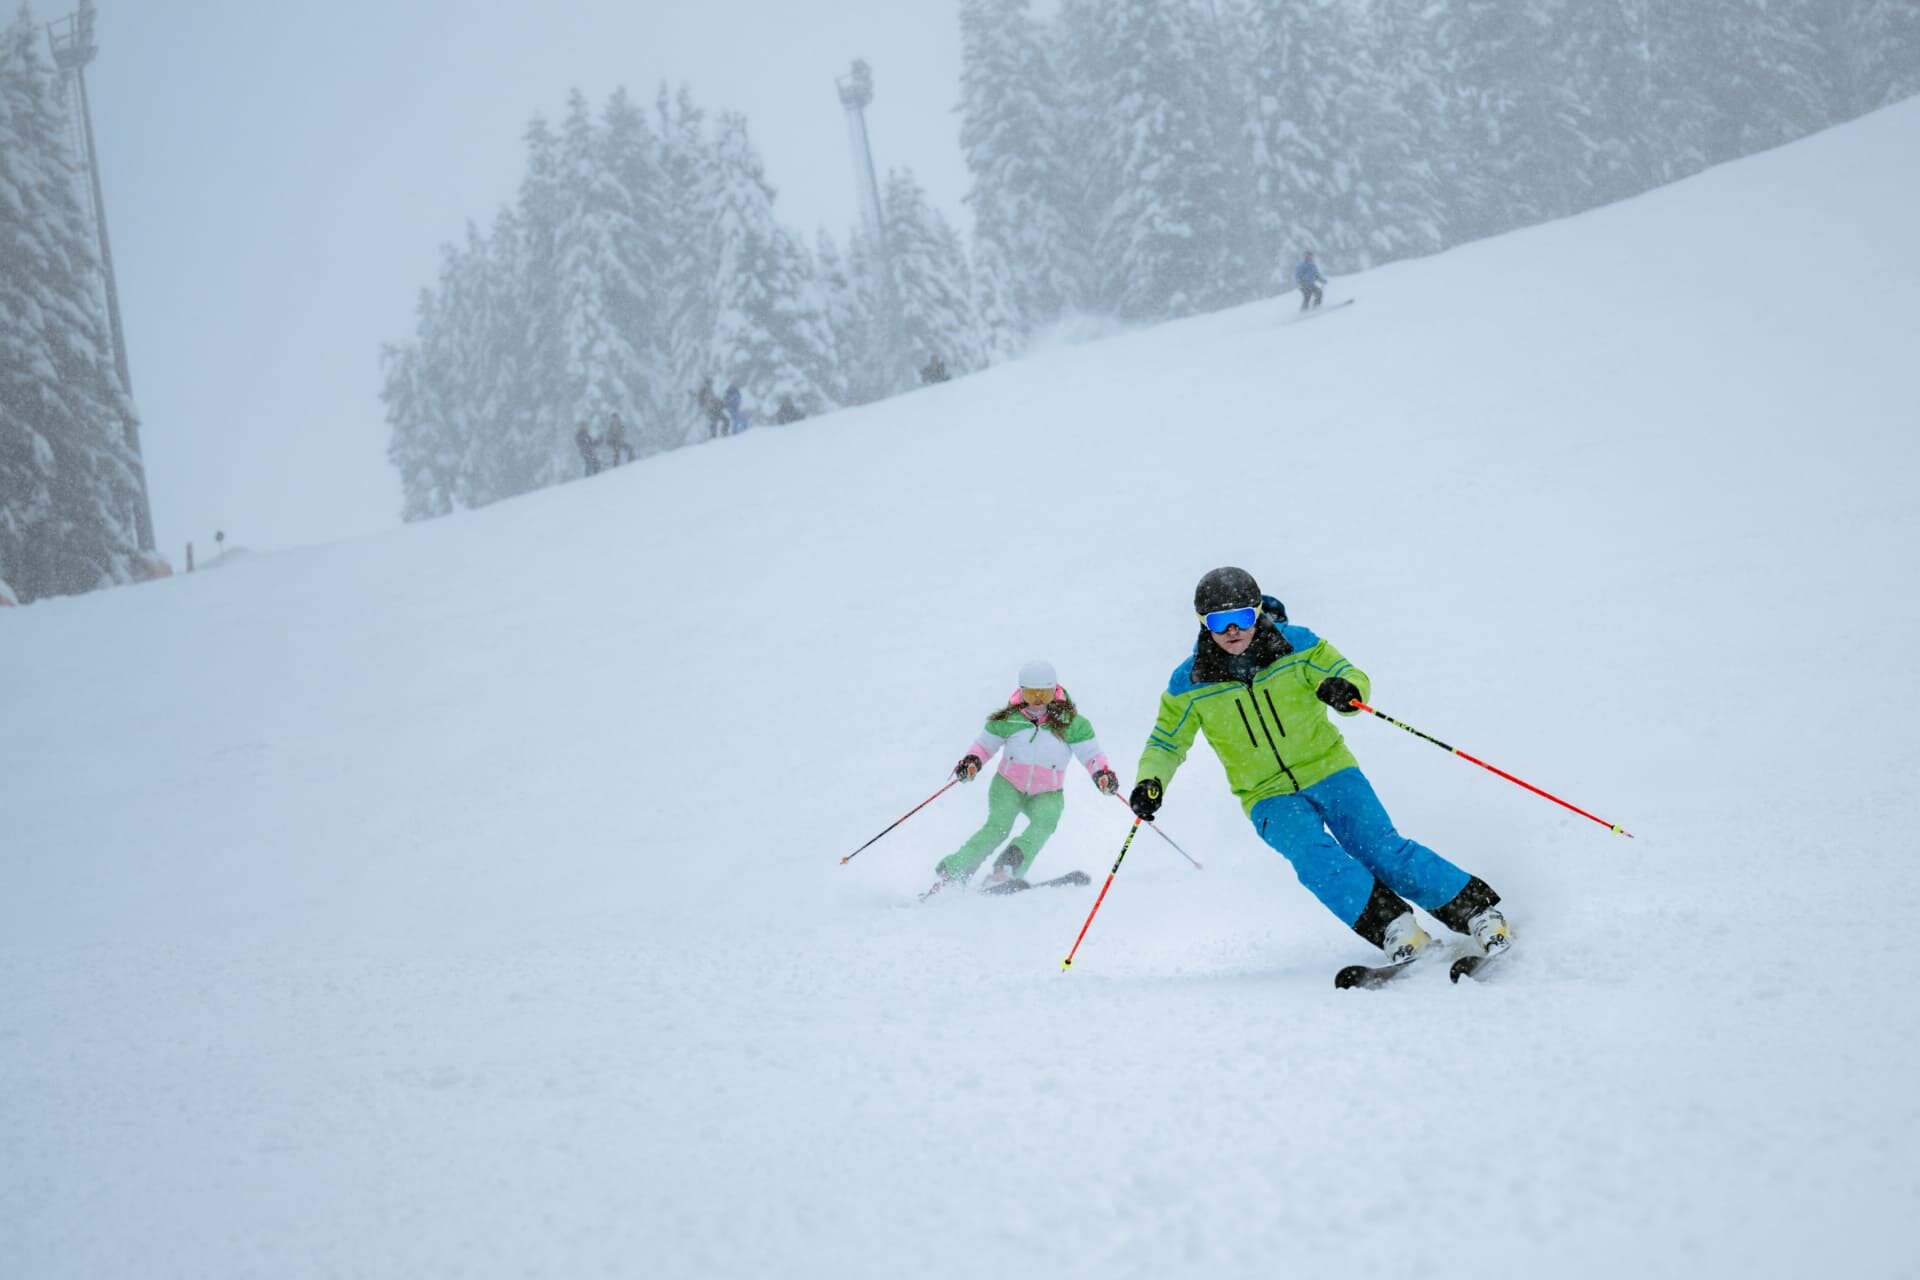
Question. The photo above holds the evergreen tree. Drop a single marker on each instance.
(1768, 84)
(1289, 145)
(534, 447)
(1164, 238)
(690, 180)
(601, 274)
(1875, 53)
(770, 335)
(931, 279)
(1082, 53)
(843, 307)
(1011, 129)
(1595, 57)
(68, 478)
(637, 301)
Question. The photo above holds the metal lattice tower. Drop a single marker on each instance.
(73, 48)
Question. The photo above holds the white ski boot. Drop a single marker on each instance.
(1405, 938)
(1489, 929)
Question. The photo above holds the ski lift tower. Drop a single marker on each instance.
(73, 49)
(856, 91)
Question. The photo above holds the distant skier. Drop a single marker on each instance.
(1254, 686)
(712, 409)
(1307, 276)
(1042, 731)
(589, 449)
(736, 415)
(616, 441)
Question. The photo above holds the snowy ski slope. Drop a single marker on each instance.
(467, 901)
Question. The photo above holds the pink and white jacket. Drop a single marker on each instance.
(1036, 757)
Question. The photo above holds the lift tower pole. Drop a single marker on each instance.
(73, 49)
(856, 91)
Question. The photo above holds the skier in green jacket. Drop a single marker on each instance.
(1255, 686)
(1042, 733)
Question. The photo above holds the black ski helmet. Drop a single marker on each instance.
(1226, 588)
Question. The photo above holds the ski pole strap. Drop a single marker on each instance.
(1124, 846)
(1519, 782)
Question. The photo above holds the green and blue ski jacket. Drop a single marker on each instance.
(1259, 713)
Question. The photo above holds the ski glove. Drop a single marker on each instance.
(1339, 693)
(1107, 781)
(1145, 799)
(969, 766)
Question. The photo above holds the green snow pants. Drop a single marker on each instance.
(1005, 802)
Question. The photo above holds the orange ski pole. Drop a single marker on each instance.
(1611, 826)
(1068, 962)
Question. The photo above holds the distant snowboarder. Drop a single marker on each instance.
(1307, 276)
(1041, 730)
(1254, 686)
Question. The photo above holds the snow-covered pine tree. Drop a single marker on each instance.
(601, 271)
(770, 334)
(1383, 202)
(1875, 47)
(1517, 116)
(691, 193)
(1011, 133)
(1595, 57)
(1163, 240)
(68, 479)
(419, 449)
(1288, 136)
(844, 309)
(931, 278)
(536, 446)
(638, 307)
(1081, 53)
(1769, 83)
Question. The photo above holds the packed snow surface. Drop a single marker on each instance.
(468, 900)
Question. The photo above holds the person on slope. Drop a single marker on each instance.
(589, 448)
(1042, 731)
(1307, 276)
(1254, 686)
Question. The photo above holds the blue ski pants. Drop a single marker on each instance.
(1340, 840)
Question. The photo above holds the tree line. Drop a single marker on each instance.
(69, 474)
(1133, 159)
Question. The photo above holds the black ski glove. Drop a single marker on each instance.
(1107, 781)
(1145, 798)
(969, 766)
(1339, 693)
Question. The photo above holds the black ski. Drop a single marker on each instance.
(1369, 975)
(1018, 886)
(1470, 965)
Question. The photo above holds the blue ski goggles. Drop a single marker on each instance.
(1220, 619)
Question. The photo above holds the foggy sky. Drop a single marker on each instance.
(279, 180)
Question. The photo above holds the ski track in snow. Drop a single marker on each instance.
(467, 900)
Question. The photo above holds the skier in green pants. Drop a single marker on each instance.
(1042, 731)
